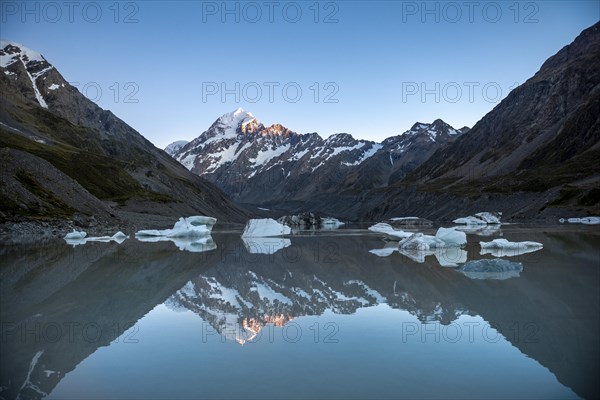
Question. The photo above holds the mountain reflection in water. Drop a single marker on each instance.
(62, 306)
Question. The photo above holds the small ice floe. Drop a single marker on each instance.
(409, 221)
(482, 218)
(118, 237)
(481, 230)
(193, 244)
(75, 235)
(445, 237)
(265, 227)
(498, 269)
(583, 220)
(265, 245)
(389, 231)
(502, 247)
(194, 226)
(328, 222)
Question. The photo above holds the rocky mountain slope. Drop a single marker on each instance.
(544, 135)
(80, 154)
(247, 159)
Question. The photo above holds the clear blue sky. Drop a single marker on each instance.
(377, 55)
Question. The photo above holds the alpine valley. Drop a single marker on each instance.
(534, 156)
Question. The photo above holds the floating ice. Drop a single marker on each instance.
(481, 218)
(417, 241)
(583, 220)
(118, 237)
(505, 244)
(266, 245)
(451, 236)
(192, 244)
(481, 230)
(75, 235)
(502, 247)
(330, 221)
(389, 231)
(266, 227)
(491, 269)
(186, 227)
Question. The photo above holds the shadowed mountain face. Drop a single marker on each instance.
(248, 160)
(108, 288)
(545, 134)
(78, 144)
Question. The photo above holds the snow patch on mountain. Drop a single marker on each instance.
(172, 148)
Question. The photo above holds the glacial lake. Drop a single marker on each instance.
(321, 317)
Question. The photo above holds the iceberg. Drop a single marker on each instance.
(445, 237)
(330, 222)
(190, 243)
(451, 236)
(583, 220)
(498, 269)
(266, 245)
(409, 221)
(265, 227)
(502, 247)
(481, 218)
(118, 237)
(389, 231)
(75, 235)
(417, 241)
(505, 244)
(481, 230)
(186, 227)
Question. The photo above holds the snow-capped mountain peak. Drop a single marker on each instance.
(17, 60)
(11, 52)
(244, 157)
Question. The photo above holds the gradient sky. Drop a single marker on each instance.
(376, 54)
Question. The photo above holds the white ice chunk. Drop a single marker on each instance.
(265, 227)
(584, 220)
(118, 237)
(331, 221)
(451, 236)
(481, 218)
(470, 220)
(505, 244)
(75, 235)
(265, 245)
(416, 241)
(194, 226)
(481, 230)
(489, 218)
(502, 248)
(389, 231)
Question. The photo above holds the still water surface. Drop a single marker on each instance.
(321, 317)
